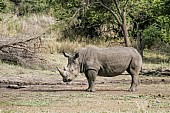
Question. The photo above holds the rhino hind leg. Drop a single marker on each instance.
(134, 83)
(91, 77)
(134, 72)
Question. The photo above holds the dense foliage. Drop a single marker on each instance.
(146, 19)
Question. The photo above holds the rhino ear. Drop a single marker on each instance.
(76, 55)
(65, 54)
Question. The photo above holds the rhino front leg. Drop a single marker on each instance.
(91, 77)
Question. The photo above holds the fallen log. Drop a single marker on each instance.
(22, 51)
(157, 72)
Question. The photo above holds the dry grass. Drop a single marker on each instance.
(52, 46)
(12, 25)
(156, 59)
(53, 42)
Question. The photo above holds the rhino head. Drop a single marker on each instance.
(72, 69)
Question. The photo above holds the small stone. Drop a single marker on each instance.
(16, 86)
(158, 101)
(13, 86)
(163, 80)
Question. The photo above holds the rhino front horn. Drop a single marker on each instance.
(60, 71)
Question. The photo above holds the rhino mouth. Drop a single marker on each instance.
(67, 80)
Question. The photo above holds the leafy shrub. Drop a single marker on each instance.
(151, 36)
(6, 6)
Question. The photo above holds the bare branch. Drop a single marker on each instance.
(19, 42)
(74, 15)
(118, 8)
(125, 5)
(21, 48)
(112, 12)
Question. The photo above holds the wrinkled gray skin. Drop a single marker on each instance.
(107, 62)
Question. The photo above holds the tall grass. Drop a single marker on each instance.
(156, 59)
(14, 26)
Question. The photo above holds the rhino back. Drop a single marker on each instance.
(113, 61)
(108, 61)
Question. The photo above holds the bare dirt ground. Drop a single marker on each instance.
(42, 91)
(39, 93)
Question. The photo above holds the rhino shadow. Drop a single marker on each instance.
(73, 90)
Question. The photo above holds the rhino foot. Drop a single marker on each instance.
(90, 90)
(131, 90)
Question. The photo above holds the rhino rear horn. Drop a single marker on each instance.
(65, 54)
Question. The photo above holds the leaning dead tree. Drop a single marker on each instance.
(21, 50)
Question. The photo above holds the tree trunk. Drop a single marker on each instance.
(141, 46)
(125, 32)
(126, 38)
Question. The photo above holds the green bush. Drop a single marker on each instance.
(6, 6)
(151, 36)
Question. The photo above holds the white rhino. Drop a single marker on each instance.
(107, 62)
